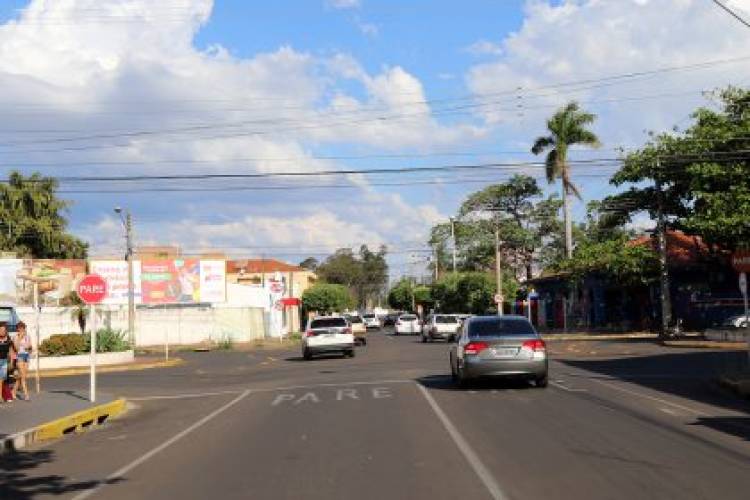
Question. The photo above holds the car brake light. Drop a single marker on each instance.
(309, 333)
(347, 331)
(535, 345)
(475, 347)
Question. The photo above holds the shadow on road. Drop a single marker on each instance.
(444, 383)
(737, 426)
(691, 375)
(18, 483)
(317, 357)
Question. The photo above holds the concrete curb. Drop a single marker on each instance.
(66, 372)
(741, 387)
(74, 423)
(707, 344)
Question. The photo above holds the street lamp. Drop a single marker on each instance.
(127, 223)
(453, 241)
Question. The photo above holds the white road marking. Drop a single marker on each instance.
(268, 389)
(566, 388)
(166, 444)
(349, 393)
(652, 398)
(471, 456)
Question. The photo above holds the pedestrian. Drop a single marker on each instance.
(23, 349)
(7, 350)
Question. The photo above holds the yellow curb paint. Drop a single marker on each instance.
(80, 421)
(112, 368)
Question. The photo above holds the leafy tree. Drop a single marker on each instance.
(366, 274)
(310, 263)
(567, 128)
(400, 295)
(33, 224)
(326, 298)
(704, 173)
(470, 292)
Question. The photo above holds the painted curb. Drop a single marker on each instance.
(710, 344)
(66, 372)
(569, 337)
(74, 423)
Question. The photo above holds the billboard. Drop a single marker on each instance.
(55, 278)
(183, 281)
(116, 274)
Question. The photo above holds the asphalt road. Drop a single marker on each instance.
(389, 424)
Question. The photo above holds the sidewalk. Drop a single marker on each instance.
(50, 415)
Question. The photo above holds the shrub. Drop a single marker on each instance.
(108, 340)
(225, 343)
(64, 344)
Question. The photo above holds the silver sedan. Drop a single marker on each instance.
(499, 346)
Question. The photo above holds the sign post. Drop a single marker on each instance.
(92, 289)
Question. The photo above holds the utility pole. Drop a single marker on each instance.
(498, 272)
(661, 234)
(131, 283)
(435, 259)
(453, 241)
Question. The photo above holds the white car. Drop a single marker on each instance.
(440, 326)
(326, 334)
(408, 324)
(371, 321)
(740, 321)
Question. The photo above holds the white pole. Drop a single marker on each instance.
(747, 319)
(36, 330)
(92, 356)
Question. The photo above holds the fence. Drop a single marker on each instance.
(157, 325)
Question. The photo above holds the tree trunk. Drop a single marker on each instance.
(568, 222)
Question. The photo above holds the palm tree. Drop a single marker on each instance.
(567, 127)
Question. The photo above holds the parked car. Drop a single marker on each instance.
(499, 346)
(9, 316)
(740, 321)
(390, 319)
(326, 334)
(371, 321)
(408, 324)
(359, 330)
(440, 326)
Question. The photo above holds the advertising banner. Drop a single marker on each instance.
(9, 271)
(115, 272)
(213, 281)
(55, 279)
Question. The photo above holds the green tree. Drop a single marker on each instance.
(470, 292)
(567, 127)
(327, 298)
(704, 173)
(310, 263)
(33, 224)
(365, 274)
(400, 295)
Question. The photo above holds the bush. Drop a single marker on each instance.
(109, 340)
(325, 298)
(64, 344)
(68, 344)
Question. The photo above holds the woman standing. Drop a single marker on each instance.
(7, 349)
(23, 348)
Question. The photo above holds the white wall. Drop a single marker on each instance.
(154, 326)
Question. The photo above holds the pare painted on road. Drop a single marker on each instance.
(309, 397)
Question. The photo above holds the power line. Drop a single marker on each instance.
(732, 13)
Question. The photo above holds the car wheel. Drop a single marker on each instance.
(364, 341)
(307, 354)
(461, 379)
(424, 339)
(350, 353)
(454, 376)
(452, 338)
(542, 382)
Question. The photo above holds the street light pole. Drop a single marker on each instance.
(453, 240)
(498, 273)
(661, 234)
(127, 223)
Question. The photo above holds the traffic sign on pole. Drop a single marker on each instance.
(92, 289)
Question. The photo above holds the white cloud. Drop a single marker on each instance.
(343, 4)
(94, 69)
(578, 40)
(484, 48)
(368, 29)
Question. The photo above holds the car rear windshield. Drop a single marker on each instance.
(499, 327)
(408, 318)
(446, 319)
(328, 323)
(355, 319)
(368, 316)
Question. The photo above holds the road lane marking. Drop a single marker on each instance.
(184, 396)
(652, 398)
(564, 387)
(166, 444)
(471, 456)
(340, 395)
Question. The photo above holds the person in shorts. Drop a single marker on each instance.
(23, 349)
(7, 350)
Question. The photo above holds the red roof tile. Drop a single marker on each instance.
(254, 266)
(682, 249)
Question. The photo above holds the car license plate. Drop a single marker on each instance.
(504, 352)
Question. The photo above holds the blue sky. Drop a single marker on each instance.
(124, 87)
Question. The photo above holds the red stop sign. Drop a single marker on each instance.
(92, 289)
